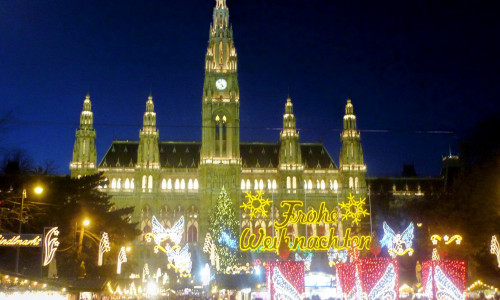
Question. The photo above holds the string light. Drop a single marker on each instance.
(210, 248)
(226, 239)
(495, 248)
(289, 282)
(444, 278)
(122, 258)
(179, 259)
(50, 244)
(335, 256)
(369, 278)
(394, 242)
(307, 260)
(103, 247)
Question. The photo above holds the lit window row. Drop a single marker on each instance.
(258, 184)
(119, 183)
(179, 184)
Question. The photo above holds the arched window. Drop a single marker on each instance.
(169, 184)
(176, 184)
(150, 182)
(144, 181)
(309, 184)
(132, 184)
(322, 185)
(294, 182)
(119, 183)
(220, 135)
(318, 186)
(193, 233)
(269, 186)
(190, 184)
(113, 183)
(255, 184)
(305, 185)
(274, 184)
(336, 184)
(127, 184)
(195, 184)
(356, 183)
(183, 184)
(248, 185)
(261, 185)
(243, 184)
(351, 184)
(288, 183)
(164, 184)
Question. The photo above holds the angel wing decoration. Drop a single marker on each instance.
(179, 259)
(284, 290)
(307, 260)
(335, 256)
(357, 292)
(160, 234)
(384, 288)
(428, 286)
(445, 289)
(398, 244)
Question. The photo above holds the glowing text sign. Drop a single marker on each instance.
(21, 240)
(294, 215)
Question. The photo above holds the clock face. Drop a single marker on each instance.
(221, 84)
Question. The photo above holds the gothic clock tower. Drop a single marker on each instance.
(220, 161)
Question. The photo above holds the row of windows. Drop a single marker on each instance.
(147, 182)
(117, 184)
(291, 183)
(166, 184)
(258, 184)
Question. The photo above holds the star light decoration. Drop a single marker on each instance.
(395, 242)
(50, 244)
(495, 248)
(103, 247)
(353, 209)
(256, 204)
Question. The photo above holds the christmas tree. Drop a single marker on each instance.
(224, 230)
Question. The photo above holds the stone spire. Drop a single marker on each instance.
(290, 148)
(148, 155)
(84, 152)
(351, 155)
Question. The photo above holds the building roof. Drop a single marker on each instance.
(187, 155)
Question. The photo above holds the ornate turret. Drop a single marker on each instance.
(84, 153)
(148, 155)
(290, 160)
(351, 155)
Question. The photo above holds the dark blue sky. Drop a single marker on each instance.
(410, 67)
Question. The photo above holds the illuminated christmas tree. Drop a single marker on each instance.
(224, 230)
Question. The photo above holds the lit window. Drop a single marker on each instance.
(309, 184)
(195, 184)
(356, 183)
(305, 185)
(169, 184)
(248, 184)
(261, 185)
(331, 185)
(183, 184)
(322, 185)
(150, 182)
(274, 184)
(269, 186)
(288, 183)
(317, 185)
(335, 184)
(144, 181)
(351, 184)
(164, 184)
(177, 184)
(132, 184)
(119, 183)
(190, 184)
(243, 184)
(294, 182)
(113, 183)
(127, 184)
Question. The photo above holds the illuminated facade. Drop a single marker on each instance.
(173, 179)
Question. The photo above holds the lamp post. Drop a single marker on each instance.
(38, 190)
(80, 239)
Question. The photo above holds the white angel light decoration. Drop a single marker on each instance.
(398, 244)
(160, 234)
(50, 244)
(179, 259)
(495, 248)
(122, 258)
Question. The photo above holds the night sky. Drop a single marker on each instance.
(420, 73)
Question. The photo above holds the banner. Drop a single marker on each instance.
(20, 240)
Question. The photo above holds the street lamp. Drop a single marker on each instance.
(85, 222)
(38, 190)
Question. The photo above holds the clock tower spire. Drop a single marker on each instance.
(220, 161)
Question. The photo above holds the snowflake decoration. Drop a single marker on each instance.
(256, 204)
(353, 209)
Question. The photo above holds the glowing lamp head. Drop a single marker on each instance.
(86, 223)
(128, 249)
(38, 190)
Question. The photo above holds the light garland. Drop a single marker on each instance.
(447, 240)
(495, 248)
(103, 247)
(335, 256)
(435, 254)
(50, 244)
(394, 242)
(285, 280)
(122, 258)
(210, 248)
